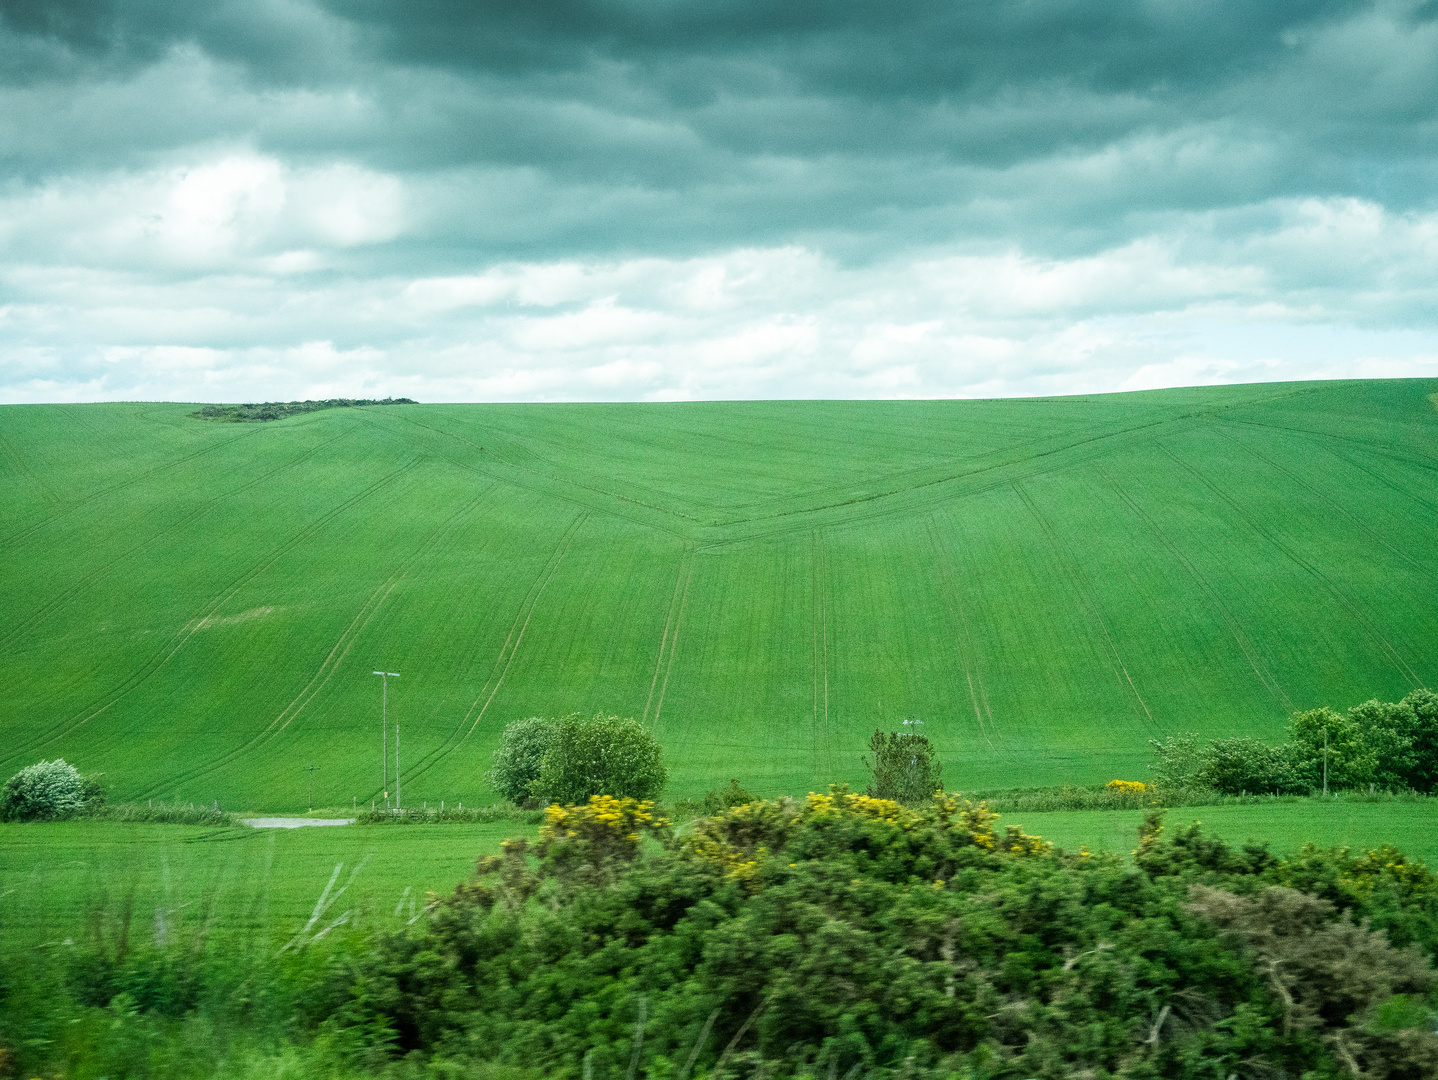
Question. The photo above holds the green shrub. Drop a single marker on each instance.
(716, 802)
(520, 755)
(604, 755)
(1238, 766)
(46, 790)
(904, 768)
(1177, 760)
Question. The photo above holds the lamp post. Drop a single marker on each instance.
(385, 677)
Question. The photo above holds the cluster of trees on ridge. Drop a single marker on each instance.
(278, 410)
(1391, 746)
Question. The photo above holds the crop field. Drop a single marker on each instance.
(195, 608)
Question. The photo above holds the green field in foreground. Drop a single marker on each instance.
(52, 876)
(195, 608)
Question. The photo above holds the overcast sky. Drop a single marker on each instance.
(492, 200)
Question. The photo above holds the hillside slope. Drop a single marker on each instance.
(196, 608)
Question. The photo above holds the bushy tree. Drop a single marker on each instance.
(1236, 766)
(46, 790)
(521, 753)
(1177, 760)
(1388, 730)
(904, 768)
(1330, 742)
(1424, 704)
(602, 755)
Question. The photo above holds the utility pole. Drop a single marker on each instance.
(1325, 763)
(385, 677)
(310, 802)
(396, 767)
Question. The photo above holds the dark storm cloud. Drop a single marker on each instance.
(376, 175)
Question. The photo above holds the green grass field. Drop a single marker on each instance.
(56, 878)
(195, 608)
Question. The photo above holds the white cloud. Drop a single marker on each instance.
(245, 296)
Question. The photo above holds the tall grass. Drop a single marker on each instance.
(452, 815)
(163, 813)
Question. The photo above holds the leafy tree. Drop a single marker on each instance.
(1424, 704)
(1335, 743)
(1388, 730)
(904, 768)
(48, 789)
(521, 753)
(604, 755)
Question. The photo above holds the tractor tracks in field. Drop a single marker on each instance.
(1356, 523)
(21, 627)
(120, 485)
(823, 739)
(487, 693)
(23, 468)
(966, 637)
(1215, 599)
(182, 636)
(1087, 599)
(669, 642)
(547, 482)
(1303, 564)
(335, 657)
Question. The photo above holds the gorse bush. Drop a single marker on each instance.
(602, 755)
(46, 790)
(521, 753)
(904, 767)
(847, 935)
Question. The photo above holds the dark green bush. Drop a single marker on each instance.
(602, 755)
(721, 799)
(1248, 766)
(836, 935)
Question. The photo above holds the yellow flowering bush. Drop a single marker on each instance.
(1127, 787)
(597, 840)
(846, 824)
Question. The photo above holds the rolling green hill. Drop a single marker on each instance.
(195, 608)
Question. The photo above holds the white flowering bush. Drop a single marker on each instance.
(47, 789)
